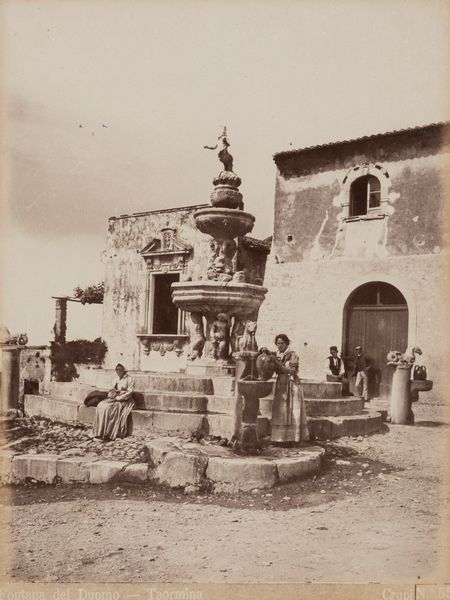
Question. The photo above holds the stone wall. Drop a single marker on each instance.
(35, 369)
(306, 300)
(309, 210)
(319, 257)
(126, 281)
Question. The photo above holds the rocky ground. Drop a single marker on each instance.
(375, 513)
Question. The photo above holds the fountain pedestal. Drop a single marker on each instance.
(404, 390)
(246, 435)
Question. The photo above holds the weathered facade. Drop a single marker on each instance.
(146, 253)
(359, 251)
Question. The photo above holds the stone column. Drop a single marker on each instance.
(60, 326)
(400, 400)
(10, 377)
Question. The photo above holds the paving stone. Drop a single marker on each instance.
(134, 473)
(296, 467)
(102, 471)
(73, 468)
(41, 467)
(179, 469)
(234, 474)
(159, 447)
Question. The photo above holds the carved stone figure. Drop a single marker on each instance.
(236, 333)
(7, 338)
(224, 156)
(220, 337)
(239, 277)
(247, 342)
(197, 336)
(395, 358)
(220, 265)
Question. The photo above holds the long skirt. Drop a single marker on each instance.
(289, 422)
(111, 418)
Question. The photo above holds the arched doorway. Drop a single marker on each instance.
(376, 318)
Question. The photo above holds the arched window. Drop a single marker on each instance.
(365, 194)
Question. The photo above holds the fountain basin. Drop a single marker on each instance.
(420, 385)
(212, 297)
(253, 390)
(223, 223)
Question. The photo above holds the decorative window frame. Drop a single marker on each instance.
(377, 212)
(166, 254)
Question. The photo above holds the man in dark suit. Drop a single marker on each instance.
(361, 367)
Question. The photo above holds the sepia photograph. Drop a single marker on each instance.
(224, 323)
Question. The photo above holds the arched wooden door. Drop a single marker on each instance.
(376, 318)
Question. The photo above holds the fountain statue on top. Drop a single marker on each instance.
(222, 301)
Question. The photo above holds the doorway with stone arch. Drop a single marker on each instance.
(376, 318)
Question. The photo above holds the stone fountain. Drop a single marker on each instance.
(221, 303)
(405, 390)
(223, 307)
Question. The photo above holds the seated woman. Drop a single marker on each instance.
(289, 425)
(111, 415)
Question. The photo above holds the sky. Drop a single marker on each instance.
(106, 107)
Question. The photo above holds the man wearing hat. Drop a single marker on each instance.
(361, 367)
(335, 369)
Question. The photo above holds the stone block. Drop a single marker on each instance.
(323, 428)
(59, 409)
(172, 401)
(334, 407)
(221, 404)
(86, 414)
(73, 468)
(102, 471)
(166, 421)
(295, 467)
(321, 389)
(220, 425)
(159, 448)
(241, 474)
(134, 473)
(41, 467)
(181, 383)
(223, 386)
(71, 390)
(179, 469)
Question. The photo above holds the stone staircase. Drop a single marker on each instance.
(179, 403)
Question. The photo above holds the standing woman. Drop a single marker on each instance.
(289, 423)
(111, 415)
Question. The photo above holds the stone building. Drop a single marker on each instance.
(147, 252)
(358, 254)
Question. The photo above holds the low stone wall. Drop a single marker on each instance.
(171, 463)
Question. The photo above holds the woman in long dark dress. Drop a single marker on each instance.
(111, 414)
(289, 424)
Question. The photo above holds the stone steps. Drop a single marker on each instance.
(327, 428)
(152, 400)
(317, 407)
(169, 382)
(70, 410)
(180, 382)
